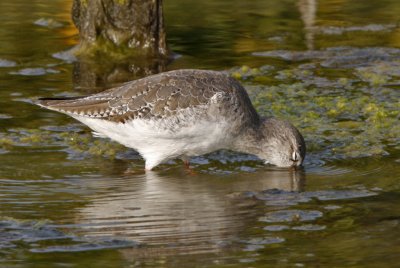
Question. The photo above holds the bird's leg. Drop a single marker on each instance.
(186, 161)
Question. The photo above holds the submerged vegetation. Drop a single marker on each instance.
(78, 144)
(343, 112)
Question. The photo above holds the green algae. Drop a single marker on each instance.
(121, 2)
(6, 143)
(354, 115)
(77, 143)
(245, 72)
(340, 116)
(107, 51)
(374, 79)
(87, 144)
(342, 113)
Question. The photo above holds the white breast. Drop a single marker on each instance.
(157, 144)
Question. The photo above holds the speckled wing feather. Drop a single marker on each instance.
(157, 96)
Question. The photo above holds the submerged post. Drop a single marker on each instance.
(120, 40)
(120, 26)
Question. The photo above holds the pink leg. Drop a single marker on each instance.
(186, 162)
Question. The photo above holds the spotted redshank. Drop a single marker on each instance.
(184, 113)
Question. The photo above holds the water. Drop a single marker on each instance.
(68, 199)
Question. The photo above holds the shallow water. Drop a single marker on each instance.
(68, 199)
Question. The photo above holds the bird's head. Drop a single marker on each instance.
(281, 143)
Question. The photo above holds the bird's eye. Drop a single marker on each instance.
(295, 156)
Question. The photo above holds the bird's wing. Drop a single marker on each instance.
(156, 96)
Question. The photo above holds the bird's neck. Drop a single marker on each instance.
(249, 140)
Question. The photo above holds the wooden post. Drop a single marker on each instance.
(120, 40)
(134, 27)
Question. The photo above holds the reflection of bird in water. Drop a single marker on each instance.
(184, 113)
(178, 212)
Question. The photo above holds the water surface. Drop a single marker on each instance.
(330, 67)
